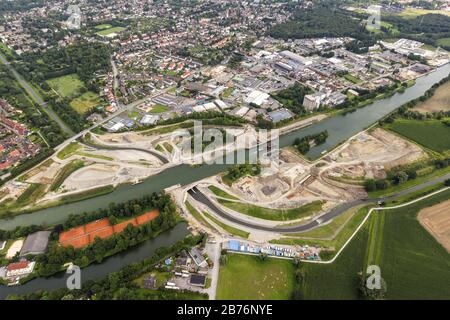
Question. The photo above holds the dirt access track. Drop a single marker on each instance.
(436, 220)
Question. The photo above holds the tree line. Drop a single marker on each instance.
(303, 145)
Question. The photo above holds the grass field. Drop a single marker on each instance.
(168, 147)
(444, 42)
(85, 102)
(103, 26)
(338, 280)
(30, 195)
(66, 86)
(411, 13)
(227, 228)
(159, 108)
(68, 150)
(95, 156)
(432, 134)
(331, 236)
(352, 79)
(219, 192)
(376, 227)
(197, 215)
(106, 32)
(246, 277)
(273, 214)
(413, 264)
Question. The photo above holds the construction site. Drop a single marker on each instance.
(295, 183)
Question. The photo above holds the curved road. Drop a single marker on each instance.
(200, 197)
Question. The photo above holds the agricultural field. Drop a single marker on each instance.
(220, 193)
(432, 134)
(436, 220)
(245, 277)
(340, 279)
(352, 79)
(411, 13)
(413, 264)
(65, 172)
(440, 101)
(227, 228)
(85, 102)
(66, 86)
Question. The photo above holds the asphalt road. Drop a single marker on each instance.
(200, 197)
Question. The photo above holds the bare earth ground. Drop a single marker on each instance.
(436, 220)
(439, 101)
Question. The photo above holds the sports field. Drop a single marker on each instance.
(432, 134)
(66, 86)
(245, 277)
(85, 102)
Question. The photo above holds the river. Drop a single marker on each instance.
(111, 264)
(340, 128)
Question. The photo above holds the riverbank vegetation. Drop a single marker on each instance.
(303, 145)
(239, 171)
(420, 263)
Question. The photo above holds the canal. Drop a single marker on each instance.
(340, 128)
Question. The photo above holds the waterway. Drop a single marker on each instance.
(99, 271)
(340, 128)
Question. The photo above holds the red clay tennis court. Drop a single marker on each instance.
(81, 236)
(78, 242)
(72, 233)
(92, 226)
(101, 233)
